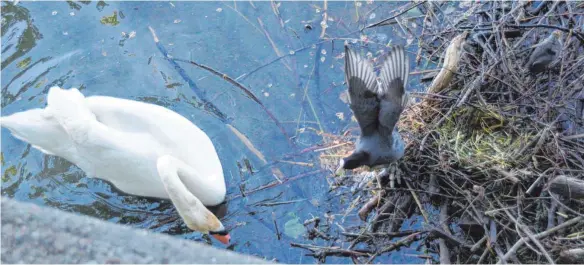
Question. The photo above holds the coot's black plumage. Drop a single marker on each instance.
(377, 103)
(545, 53)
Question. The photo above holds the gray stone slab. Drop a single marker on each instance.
(34, 234)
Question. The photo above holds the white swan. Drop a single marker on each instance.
(141, 148)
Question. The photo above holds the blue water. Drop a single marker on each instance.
(65, 44)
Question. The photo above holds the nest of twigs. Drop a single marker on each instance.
(497, 152)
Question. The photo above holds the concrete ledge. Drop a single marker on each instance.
(34, 234)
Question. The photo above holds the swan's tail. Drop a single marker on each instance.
(68, 107)
(37, 128)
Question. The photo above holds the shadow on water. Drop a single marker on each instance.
(105, 48)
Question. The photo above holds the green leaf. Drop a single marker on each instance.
(293, 228)
(24, 63)
(110, 20)
(414, 12)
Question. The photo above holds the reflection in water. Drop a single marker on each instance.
(19, 35)
(35, 75)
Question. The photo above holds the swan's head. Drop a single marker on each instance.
(198, 218)
(195, 215)
(212, 226)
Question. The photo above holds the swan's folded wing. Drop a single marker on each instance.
(362, 91)
(69, 109)
(394, 77)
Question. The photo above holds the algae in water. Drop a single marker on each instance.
(24, 63)
(110, 20)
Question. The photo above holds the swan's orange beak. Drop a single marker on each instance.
(222, 238)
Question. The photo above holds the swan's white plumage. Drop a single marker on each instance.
(122, 141)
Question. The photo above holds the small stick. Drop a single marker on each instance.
(479, 243)
(387, 234)
(576, 136)
(277, 183)
(552, 213)
(531, 237)
(330, 147)
(330, 250)
(444, 252)
(402, 242)
(276, 225)
(314, 220)
(276, 50)
(418, 203)
(279, 203)
(323, 24)
(369, 206)
(579, 36)
(546, 233)
(297, 163)
(320, 233)
(383, 22)
(244, 89)
(200, 94)
(424, 71)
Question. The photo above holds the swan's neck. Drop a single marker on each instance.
(194, 213)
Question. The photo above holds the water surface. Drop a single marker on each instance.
(106, 48)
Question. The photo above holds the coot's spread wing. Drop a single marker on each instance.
(362, 91)
(392, 94)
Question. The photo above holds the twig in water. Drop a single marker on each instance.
(369, 206)
(304, 164)
(243, 88)
(276, 50)
(400, 243)
(200, 94)
(324, 22)
(276, 225)
(277, 183)
(383, 22)
(268, 204)
(322, 252)
(210, 106)
(314, 220)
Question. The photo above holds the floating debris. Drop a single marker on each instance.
(110, 20)
(24, 63)
(101, 5)
(219, 9)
